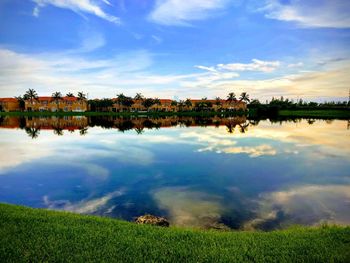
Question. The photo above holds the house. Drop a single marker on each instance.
(165, 105)
(65, 104)
(9, 104)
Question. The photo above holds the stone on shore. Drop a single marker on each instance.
(152, 220)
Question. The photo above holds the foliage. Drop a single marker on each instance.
(35, 235)
(147, 103)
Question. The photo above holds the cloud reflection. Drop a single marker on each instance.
(306, 205)
(189, 208)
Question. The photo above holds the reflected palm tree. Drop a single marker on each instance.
(139, 130)
(311, 121)
(58, 131)
(230, 128)
(32, 132)
(83, 131)
(243, 127)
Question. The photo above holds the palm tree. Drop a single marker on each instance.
(231, 97)
(157, 101)
(139, 96)
(188, 103)
(31, 95)
(147, 103)
(70, 95)
(57, 96)
(173, 103)
(81, 96)
(218, 101)
(21, 102)
(244, 97)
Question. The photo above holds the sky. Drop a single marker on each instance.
(176, 49)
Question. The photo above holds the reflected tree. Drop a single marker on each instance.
(83, 131)
(32, 132)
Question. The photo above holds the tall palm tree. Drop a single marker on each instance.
(81, 96)
(57, 96)
(244, 97)
(21, 102)
(70, 95)
(31, 95)
(157, 101)
(139, 96)
(188, 102)
(231, 97)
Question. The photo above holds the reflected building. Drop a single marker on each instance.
(72, 123)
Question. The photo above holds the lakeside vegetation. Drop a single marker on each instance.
(37, 235)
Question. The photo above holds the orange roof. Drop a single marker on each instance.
(8, 99)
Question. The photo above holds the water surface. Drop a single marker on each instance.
(198, 172)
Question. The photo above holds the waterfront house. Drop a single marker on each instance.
(9, 104)
(65, 104)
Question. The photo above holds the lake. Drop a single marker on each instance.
(197, 172)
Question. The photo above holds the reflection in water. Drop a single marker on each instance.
(306, 205)
(199, 172)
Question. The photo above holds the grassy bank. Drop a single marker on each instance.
(34, 235)
(341, 114)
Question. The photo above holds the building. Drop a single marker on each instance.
(65, 104)
(9, 104)
(166, 105)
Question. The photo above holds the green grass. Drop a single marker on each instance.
(326, 113)
(35, 235)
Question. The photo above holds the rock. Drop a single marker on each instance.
(152, 220)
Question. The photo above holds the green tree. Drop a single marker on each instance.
(31, 95)
(70, 95)
(147, 103)
(21, 102)
(81, 96)
(244, 97)
(231, 97)
(139, 96)
(218, 101)
(57, 96)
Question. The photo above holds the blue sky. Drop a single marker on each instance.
(176, 48)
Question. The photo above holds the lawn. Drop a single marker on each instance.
(320, 113)
(36, 235)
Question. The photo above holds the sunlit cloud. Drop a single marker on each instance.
(181, 13)
(255, 65)
(77, 6)
(131, 72)
(322, 13)
(306, 205)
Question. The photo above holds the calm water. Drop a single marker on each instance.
(196, 172)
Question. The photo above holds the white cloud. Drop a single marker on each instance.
(130, 73)
(256, 65)
(77, 6)
(321, 13)
(181, 12)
